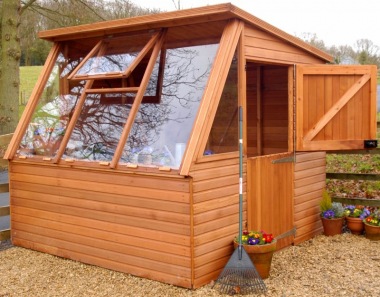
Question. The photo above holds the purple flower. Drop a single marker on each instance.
(208, 152)
(365, 213)
(328, 214)
(253, 241)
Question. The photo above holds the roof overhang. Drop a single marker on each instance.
(176, 18)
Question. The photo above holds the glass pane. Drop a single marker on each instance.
(98, 129)
(224, 135)
(47, 127)
(133, 80)
(119, 53)
(162, 128)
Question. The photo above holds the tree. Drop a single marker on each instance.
(343, 54)
(367, 52)
(177, 5)
(313, 40)
(9, 72)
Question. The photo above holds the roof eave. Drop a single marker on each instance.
(176, 18)
(145, 22)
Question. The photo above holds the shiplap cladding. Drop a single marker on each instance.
(216, 216)
(309, 182)
(131, 223)
(262, 46)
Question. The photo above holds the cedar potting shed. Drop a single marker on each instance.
(126, 156)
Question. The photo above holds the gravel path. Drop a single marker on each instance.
(343, 265)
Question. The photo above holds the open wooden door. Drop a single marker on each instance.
(336, 107)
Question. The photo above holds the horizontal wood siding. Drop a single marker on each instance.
(309, 182)
(130, 223)
(262, 46)
(216, 216)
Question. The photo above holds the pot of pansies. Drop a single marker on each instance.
(372, 225)
(332, 215)
(260, 247)
(355, 214)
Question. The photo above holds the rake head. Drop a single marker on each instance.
(240, 276)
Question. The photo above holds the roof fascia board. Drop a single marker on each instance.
(146, 22)
(176, 18)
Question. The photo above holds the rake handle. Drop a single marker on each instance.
(240, 181)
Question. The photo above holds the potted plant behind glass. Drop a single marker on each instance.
(372, 225)
(354, 218)
(332, 215)
(260, 247)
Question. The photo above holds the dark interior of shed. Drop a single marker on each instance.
(267, 109)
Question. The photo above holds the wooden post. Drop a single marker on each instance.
(259, 120)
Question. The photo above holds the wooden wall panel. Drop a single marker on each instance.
(309, 182)
(135, 224)
(216, 216)
(262, 46)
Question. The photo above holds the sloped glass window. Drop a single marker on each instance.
(48, 124)
(161, 129)
(224, 135)
(99, 126)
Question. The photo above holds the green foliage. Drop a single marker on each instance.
(325, 203)
(365, 168)
(338, 209)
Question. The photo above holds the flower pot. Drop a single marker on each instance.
(332, 227)
(372, 232)
(261, 256)
(355, 225)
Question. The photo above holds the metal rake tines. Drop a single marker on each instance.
(240, 281)
(240, 276)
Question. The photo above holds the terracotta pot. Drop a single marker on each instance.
(332, 227)
(372, 232)
(261, 256)
(356, 225)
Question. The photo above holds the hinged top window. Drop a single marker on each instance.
(114, 56)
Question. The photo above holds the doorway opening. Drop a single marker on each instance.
(267, 109)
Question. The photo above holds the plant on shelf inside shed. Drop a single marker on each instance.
(332, 215)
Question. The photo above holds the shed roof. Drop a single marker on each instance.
(199, 15)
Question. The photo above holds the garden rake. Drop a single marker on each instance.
(240, 276)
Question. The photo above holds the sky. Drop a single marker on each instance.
(335, 22)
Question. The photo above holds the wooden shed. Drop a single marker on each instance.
(126, 156)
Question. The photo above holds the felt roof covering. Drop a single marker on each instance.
(184, 17)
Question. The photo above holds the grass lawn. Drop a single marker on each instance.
(28, 78)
